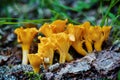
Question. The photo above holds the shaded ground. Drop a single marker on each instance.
(95, 66)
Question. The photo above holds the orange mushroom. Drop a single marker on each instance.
(106, 31)
(43, 56)
(62, 44)
(35, 61)
(60, 36)
(100, 35)
(58, 26)
(77, 41)
(46, 49)
(25, 37)
(46, 30)
(87, 36)
(55, 27)
(97, 37)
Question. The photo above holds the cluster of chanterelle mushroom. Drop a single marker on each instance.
(59, 36)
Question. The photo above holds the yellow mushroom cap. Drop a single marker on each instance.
(46, 30)
(96, 33)
(46, 49)
(25, 36)
(77, 40)
(45, 41)
(87, 35)
(98, 37)
(35, 61)
(86, 24)
(106, 31)
(74, 32)
(55, 27)
(62, 44)
(58, 26)
(102, 35)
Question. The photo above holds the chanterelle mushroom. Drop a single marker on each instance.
(87, 36)
(60, 36)
(35, 61)
(46, 49)
(25, 37)
(46, 30)
(106, 31)
(55, 27)
(44, 55)
(77, 41)
(62, 44)
(58, 26)
(99, 35)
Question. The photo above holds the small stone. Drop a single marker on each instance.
(3, 59)
(3, 70)
(9, 77)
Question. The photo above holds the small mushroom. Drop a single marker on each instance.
(62, 44)
(46, 30)
(97, 37)
(35, 61)
(46, 49)
(87, 36)
(25, 37)
(106, 31)
(58, 26)
(55, 27)
(103, 34)
(77, 40)
(78, 46)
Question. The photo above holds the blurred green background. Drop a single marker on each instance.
(76, 11)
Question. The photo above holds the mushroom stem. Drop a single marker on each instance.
(79, 48)
(62, 57)
(36, 69)
(25, 52)
(24, 57)
(88, 46)
(68, 57)
(98, 45)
